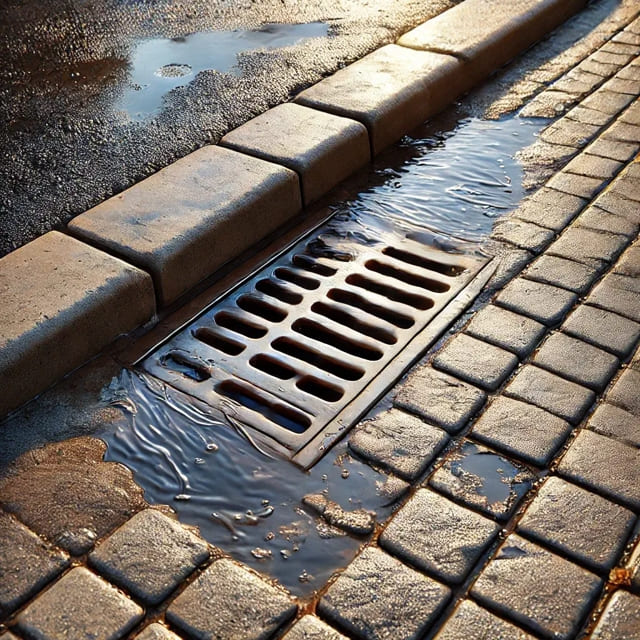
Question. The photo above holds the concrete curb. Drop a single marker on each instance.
(183, 223)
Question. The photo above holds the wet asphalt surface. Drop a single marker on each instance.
(82, 116)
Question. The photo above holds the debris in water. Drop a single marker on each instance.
(285, 553)
(326, 531)
(620, 577)
(270, 536)
(345, 473)
(358, 522)
(305, 576)
(261, 554)
(183, 497)
(212, 447)
(199, 461)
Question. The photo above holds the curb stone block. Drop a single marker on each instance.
(322, 148)
(391, 91)
(187, 220)
(438, 536)
(369, 599)
(614, 422)
(537, 589)
(620, 619)
(486, 44)
(563, 273)
(521, 430)
(311, 628)
(62, 302)
(80, 605)
(580, 524)
(228, 601)
(149, 555)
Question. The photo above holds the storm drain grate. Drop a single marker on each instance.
(296, 352)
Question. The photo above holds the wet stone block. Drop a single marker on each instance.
(600, 220)
(603, 329)
(564, 399)
(589, 116)
(569, 132)
(620, 619)
(483, 480)
(613, 202)
(577, 361)
(606, 466)
(550, 208)
(619, 294)
(603, 99)
(581, 186)
(523, 235)
(439, 398)
(506, 329)
(80, 605)
(537, 589)
(623, 152)
(560, 272)
(592, 248)
(614, 422)
(311, 628)
(578, 523)
(27, 563)
(438, 536)
(156, 631)
(471, 621)
(149, 556)
(626, 392)
(229, 601)
(622, 131)
(522, 430)
(398, 441)
(594, 166)
(476, 361)
(539, 301)
(378, 597)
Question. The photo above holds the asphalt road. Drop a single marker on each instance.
(97, 94)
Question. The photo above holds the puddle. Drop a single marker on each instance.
(159, 65)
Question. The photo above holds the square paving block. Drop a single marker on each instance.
(537, 589)
(156, 631)
(577, 361)
(80, 605)
(610, 149)
(581, 186)
(377, 597)
(578, 523)
(620, 620)
(598, 219)
(619, 294)
(626, 392)
(522, 430)
(150, 555)
(563, 273)
(438, 536)
(548, 391)
(321, 148)
(483, 480)
(550, 208)
(439, 398)
(476, 361)
(398, 441)
(594, 166)
(311, 628)
(629, 263)
(593, 248)
(604, 465)
(521, 234)
(228, 601)
(614, 422)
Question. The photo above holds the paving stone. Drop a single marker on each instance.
(476, 361)
(578, 523)
(600, 220)
(511, 262)
(577, 361)
(537, 589)
(589, 116)
(603, 55)
(7, 635)
(603, 329)
(564, 399)
(397, 89)
(369, 599)
(188, 219)
(599, 68)
(626, 37)
(469, 621)
(622, 152)
(581, 186)
(632, 114)
(623, 132)
(604, 465)
(563, 273)
(27, 563)
(522, 430)
(311, 628)
(156, 631)
(622, 48)
(398, 441)
(627, 185)
(438, 536)
(629, 263)
(149, 556)
(624, 393)
(568, 132)
(322, 148)
(539, 301)
(439, 398)
(618, 294)
(523, 235)
(614, 422)
(227, 601)
(62, 302)
(80, 605)
(506, 329)
(592, 248)
(620, 620)
(605, 100)
(594, 166)
(549, 104)
(550, 208)
(614, 203)
(483, 480)
(579, 82)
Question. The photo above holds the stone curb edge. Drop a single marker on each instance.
(66, 297)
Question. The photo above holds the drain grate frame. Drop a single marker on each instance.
(296, 351)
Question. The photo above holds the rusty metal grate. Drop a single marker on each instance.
(296, 352)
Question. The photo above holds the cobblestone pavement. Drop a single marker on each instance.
(524, 526)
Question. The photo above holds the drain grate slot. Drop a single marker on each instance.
(240, 325)
(356, 301)
(218, 341)
(392, 293)
(297, 278)
(278, 291)
(320, 388)
(313, 266)
(273, 367)
(422, 262)
(407, 277)
(261, 308)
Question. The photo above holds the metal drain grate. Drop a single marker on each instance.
(296, 352)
